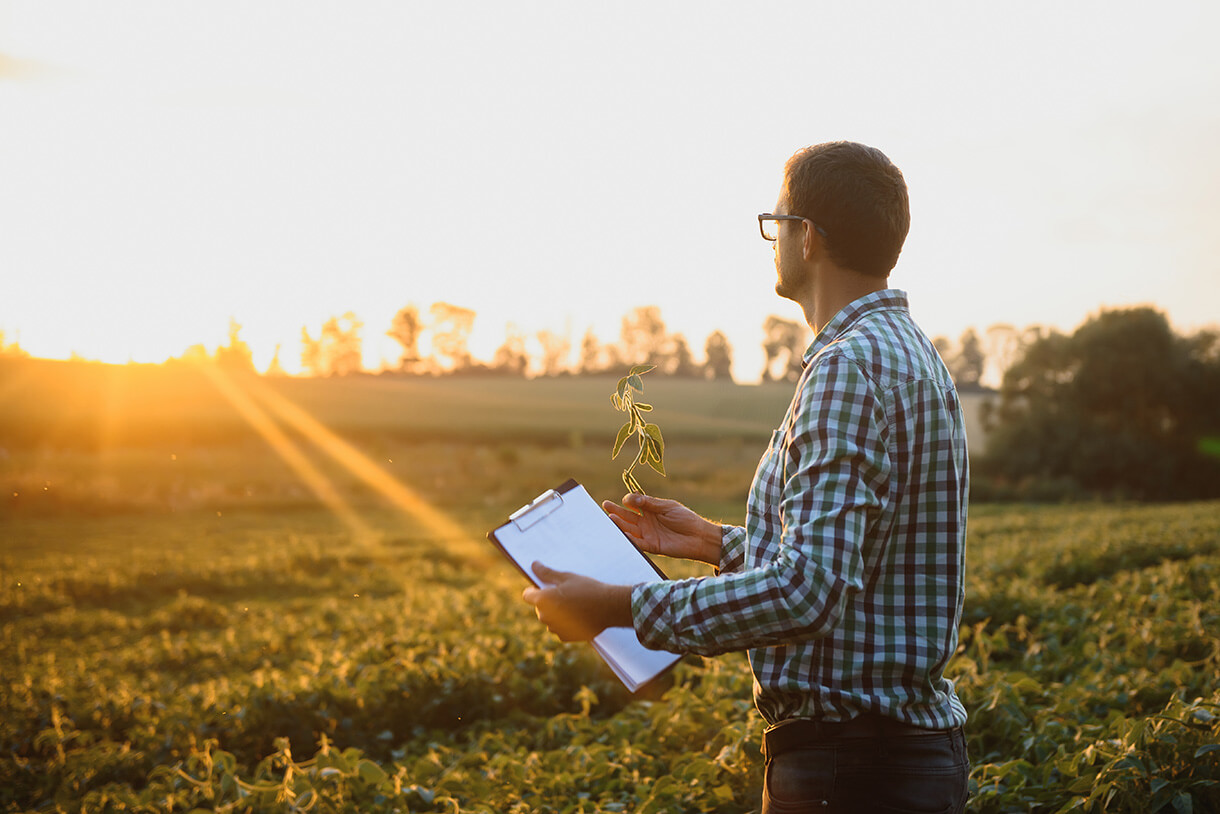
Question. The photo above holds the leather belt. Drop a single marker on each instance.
(804, 733)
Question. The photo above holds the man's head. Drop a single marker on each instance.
(857, 196)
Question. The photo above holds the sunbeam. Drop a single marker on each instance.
(264, 425)
(399, 494)
(404, 498)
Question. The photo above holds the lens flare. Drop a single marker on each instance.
(262, 406)
(314, 479)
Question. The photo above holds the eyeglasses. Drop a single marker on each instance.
(768, 225)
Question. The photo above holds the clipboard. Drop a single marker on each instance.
(565, 529)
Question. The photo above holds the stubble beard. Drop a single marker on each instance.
(785, 286)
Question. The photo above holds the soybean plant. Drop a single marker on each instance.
(651, 444)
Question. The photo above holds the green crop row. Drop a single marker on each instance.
(268, 661)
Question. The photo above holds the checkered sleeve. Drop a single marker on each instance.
(732, 549)
(826, 476)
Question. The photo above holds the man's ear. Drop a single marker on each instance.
(812, 243)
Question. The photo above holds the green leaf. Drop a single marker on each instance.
(622, 386)
(654, 432)
(636, 382)
(644, 408)
(656, 464)
(427, 795)
(642, 454)
(640, 370)
(371, 773)
(624, 432)
(1203, 750)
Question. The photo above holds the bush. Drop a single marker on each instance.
(1123, 408)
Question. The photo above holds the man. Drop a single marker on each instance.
(846, 583)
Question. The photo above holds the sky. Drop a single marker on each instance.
(168, 166)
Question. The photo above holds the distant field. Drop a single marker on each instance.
(89, 405)
(104, 438)
(82, 404)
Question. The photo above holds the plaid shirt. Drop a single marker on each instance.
(846, 584)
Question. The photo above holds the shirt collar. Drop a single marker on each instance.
(886, 299)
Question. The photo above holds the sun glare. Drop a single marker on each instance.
(265, 426)
(261, 407)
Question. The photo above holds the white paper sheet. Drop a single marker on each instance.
(569, 532)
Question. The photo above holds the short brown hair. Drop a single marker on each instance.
(857, 195)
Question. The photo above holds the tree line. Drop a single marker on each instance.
(436, 342)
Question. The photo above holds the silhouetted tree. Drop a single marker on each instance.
(337, 351)
(405, 329)
(1122, 407)
(311, 354)
(643, 336)
(276, 368)
(966, 366)
(944, 346)
(1003, 345)
(596, 358)
(555, 350)
(590, 355)
(235, 355)
(676, 360)
(511, 358)
(784, 344)
(451, 327)
(719, 364)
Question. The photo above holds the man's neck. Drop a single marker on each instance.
(834, 289)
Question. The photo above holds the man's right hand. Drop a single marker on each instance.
(666, 527)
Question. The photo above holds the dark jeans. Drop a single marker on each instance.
(922, 773)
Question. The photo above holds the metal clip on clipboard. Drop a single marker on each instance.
(536, 509)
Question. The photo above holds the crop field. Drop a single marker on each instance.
(196, 614)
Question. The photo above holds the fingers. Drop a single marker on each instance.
(626, 519)
(619, 514)
(548, 575)
(633, 503)
(636, 504)
(637, 501)
(614, 510)
(647, 503)
(629, 527)
(560, 612)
